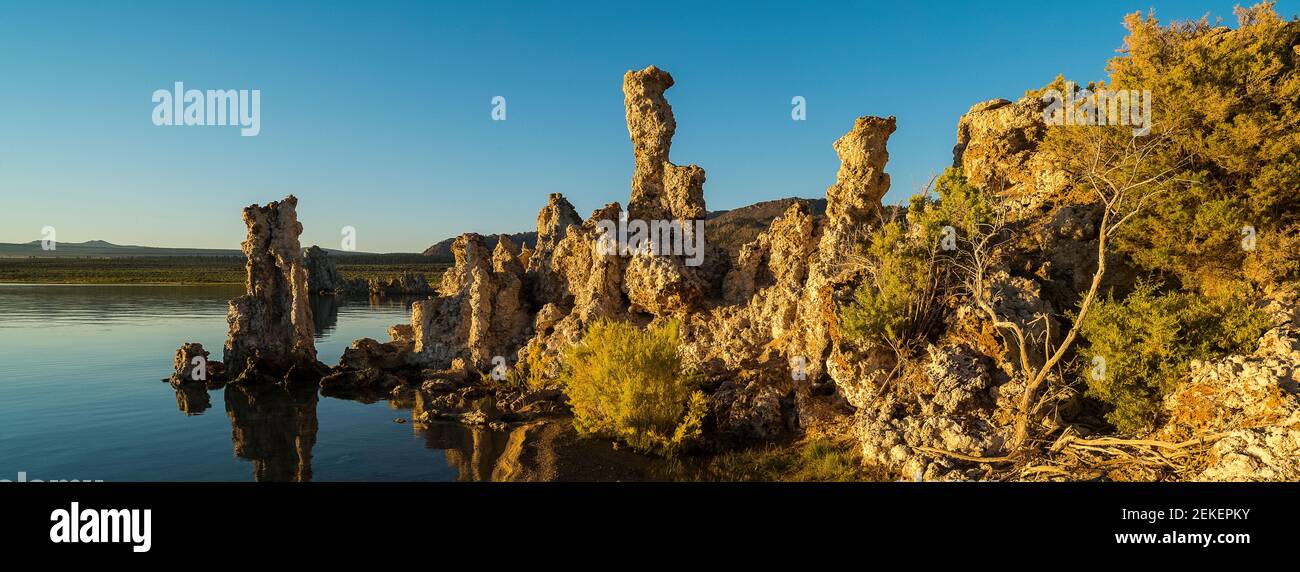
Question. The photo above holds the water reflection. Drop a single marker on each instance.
(47, 306)
(325, 313)
(274, 427)
(477, 453)
(53, 338)
(192, 399)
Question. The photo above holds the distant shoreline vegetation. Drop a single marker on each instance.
(192, 270)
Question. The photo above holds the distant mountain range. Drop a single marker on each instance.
(735, 228)
(441, 251)
(102, 249)
(729, 229)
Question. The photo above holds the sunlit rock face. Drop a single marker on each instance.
(772, 304)
(661, 191)
(1252, 400)
(651, 125)
(192, 367)
(481, 311)
(852, 208)
(271, 325)
(553, 224)
(998, 149)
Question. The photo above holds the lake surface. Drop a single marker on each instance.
(81, 396)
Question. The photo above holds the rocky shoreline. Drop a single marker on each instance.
(762, 327)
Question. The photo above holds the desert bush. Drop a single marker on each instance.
(531, 371)
(958, 204)
(906, 266)
(882, 309)
(1229, 103)
(629, 384)
(1146, 341)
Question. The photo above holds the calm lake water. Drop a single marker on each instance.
(81, 396)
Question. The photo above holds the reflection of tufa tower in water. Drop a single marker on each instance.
(477, 453)
(275, 428)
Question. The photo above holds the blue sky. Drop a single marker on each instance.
(377, 114)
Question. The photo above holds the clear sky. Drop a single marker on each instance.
(377, 115)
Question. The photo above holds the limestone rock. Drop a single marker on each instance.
(546, 319)
(1258, 454)
(1020, 300)
(367, 381)
(593, 281)
(662, 286)
(997, 147)
(402, 334)
(956, 415)
(366, 353)
(749, 411)
(861, 180)
(1254, 401)
(185, 371)
(322, 274)
(407, 284)
(553, 223)
(651, 125)
(959, 380)
(852, 207)
(271, 324)
(480, 312)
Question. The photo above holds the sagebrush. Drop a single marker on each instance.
(629, 384)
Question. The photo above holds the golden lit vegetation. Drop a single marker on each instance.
(629, 384)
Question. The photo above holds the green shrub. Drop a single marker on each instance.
(959, 204)
(1229, 104)
(530, 372)
(881, 309)
(1147, 340)
(629, 384)
(906, 268)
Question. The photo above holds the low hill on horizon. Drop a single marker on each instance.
(441, 250)
(105, 249)
(729, 229)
